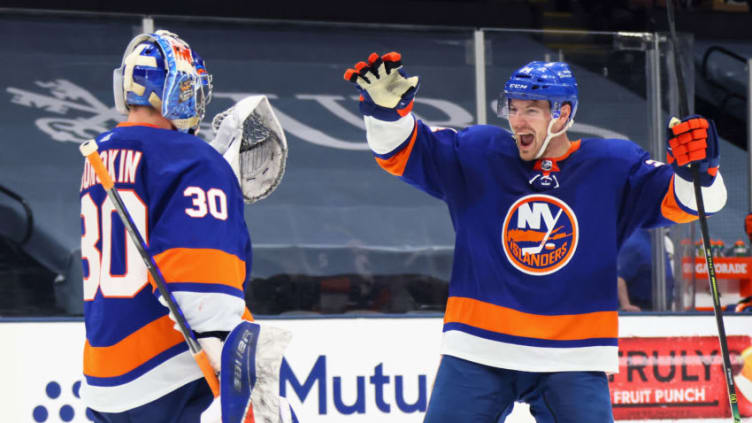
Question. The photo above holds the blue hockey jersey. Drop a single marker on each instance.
(533, 285)
(186, 202)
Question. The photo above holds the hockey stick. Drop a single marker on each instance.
(684, 111)
(89, 150)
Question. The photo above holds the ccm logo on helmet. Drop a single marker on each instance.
(518, 86)
(539, 234)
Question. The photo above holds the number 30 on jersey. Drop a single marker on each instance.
(133, 277)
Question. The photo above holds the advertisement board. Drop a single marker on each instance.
(382, 369)
(676, 377)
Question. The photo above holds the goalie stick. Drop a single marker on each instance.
(89, 150)
(702, 217)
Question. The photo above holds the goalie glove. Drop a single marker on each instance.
(251, 139)
(693, 140)
(386, 92)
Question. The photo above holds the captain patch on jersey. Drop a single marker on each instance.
(539, 234)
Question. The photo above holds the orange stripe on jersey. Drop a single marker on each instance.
(200, 265)
(132, 351)
(494, 318)
(670, 208)
(573, 146)
(151, 125)
(396, 164)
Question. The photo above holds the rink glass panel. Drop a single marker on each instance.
(339, 235)
(57, 92)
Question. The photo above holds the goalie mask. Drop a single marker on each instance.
(160, 70)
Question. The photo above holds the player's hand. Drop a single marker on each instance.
(630, 307)
(386, 92)
(693, 141)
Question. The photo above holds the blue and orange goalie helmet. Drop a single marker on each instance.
(162, 71)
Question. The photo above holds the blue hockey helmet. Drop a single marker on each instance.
(160, 70)
(551, 81)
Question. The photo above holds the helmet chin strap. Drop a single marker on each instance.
(549, 136)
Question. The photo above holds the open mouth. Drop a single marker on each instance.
(525, 139)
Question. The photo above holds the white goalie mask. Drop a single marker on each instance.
(251, 139)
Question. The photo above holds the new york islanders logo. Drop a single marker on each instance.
(539, 234)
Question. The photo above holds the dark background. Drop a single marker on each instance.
(704, 18)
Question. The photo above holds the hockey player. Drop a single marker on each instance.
(185, 200)
(539, 218)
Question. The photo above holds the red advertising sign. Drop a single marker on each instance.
(679, 377)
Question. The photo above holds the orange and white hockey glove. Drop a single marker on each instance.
(693, 141)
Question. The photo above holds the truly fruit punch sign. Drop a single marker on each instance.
(679, 377)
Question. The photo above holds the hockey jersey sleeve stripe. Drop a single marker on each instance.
(385, 137)
(132, 351)
(397, 162)
(671, 210)
(504, 320)
(201, 266)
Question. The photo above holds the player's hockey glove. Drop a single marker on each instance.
(693, 141)
(748, 226)
(386, 92)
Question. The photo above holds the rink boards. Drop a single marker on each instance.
(371, 369)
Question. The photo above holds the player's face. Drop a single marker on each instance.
(529, 120)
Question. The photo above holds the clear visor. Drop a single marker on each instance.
(502, 106)
(504, 111)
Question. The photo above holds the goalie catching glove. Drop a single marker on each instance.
(693, 140)
(386, 92)
(251, 139)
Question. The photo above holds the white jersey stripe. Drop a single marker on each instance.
(529, 359)
(159, 381)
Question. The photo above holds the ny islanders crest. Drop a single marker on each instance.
(539, 234)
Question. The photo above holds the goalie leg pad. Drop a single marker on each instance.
(238, 375)
(249, 379)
